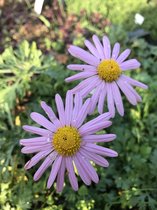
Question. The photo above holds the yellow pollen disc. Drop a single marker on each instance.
(109, 70)
(66, 141)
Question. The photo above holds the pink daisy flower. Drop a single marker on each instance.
(66, 143)
(104, 76)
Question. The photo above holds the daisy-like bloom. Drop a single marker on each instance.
(104, 76)
(66, 143)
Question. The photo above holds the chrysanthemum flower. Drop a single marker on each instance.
(104, 76)
(65, 142)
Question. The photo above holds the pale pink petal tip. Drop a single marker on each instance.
(27, 165)
(114, 136)
(130, 64)
(138, 63)
(21, 142)
(69, 49)
(42, 103)
(145, 86)
(24, 127)
(121, 114)
(114, 154)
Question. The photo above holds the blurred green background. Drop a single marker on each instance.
(33, 59)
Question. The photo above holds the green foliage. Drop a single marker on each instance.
(16, 70)
(110, 7)
(148, 11)
(120, 12)
(28, 76)
(129, 182)
(21, 68)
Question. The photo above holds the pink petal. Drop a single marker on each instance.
(94, 157)
(77, 107)
(82, 113)
(48, 111)
(92, 49)
(83, 55)
(34, 149)
(36, 130)
(137, 96)
(99, 46)
(41, 120)
(84, 92)
(100, 118)
(60, 176)
(54, 171)
(88, 168)
(117, 98)
(134, 82)
(94, 128)
(130, 96)
(68, 107)
(81, 170)
(35, 141)
(107, 47)
(116, 50)
(100, 150)
(130, 64)
(71, 173)
(60, 108)
(123, 56)
(95, 98)
(110, 101)
(50, 114)
(102, 98)
(47, 162)
(81, 67)
(80, 75)
(84, 84)
(99, 138)
(36, 158)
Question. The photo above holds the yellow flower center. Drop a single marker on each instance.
(66, 141)
(109, 70)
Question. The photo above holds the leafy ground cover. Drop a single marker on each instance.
(33, 63)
